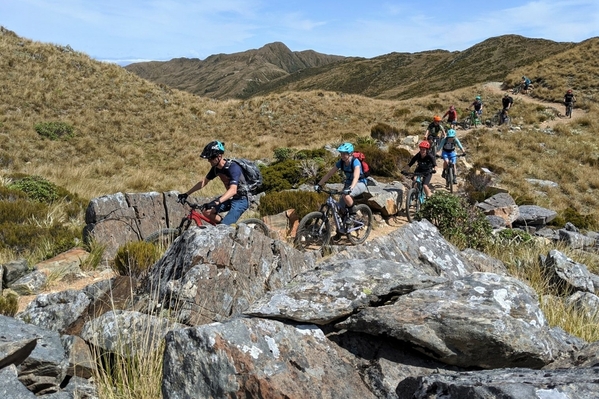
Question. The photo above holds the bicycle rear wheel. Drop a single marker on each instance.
(164, 237)
(257, 224)
(412, 204)
(313, 232)
(364, 216)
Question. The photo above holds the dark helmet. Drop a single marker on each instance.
(213, 149)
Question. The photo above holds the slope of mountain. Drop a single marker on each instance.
(274, 68)
(407, 75)
(228, 75)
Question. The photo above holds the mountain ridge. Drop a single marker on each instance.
(397, 75)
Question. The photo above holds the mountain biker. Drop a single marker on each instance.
(477, 106)
(569, 99)
(525, 83)
(355, 182)
(426, 165)
(448, 145)
(507, 101)
(452, 116)
(235, 199)
(434, 131)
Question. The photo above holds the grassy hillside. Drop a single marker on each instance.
(133, 136)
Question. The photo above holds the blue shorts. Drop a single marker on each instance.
(449, 155)
(235, 208)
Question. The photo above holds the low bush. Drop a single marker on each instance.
(585, 222)
(303, 202)
(461, 224)
(9, 304)
(37, 188)
(384, 132)
(54, 130)
(135, 258)
(283, 153)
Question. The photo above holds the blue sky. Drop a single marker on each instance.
(125, 31)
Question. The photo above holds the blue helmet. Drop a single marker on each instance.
(213, 149)
(478, 97)
(450, 133)
(346, 147)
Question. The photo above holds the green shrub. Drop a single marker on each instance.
(585, 222)
(37, 188)
(54, 130)
(461, 224)
(283, 153)
(135, 258)
(384, 132)
(513, 237)
(384, 163)
(303, 202)
(319, 153)
(9, 304)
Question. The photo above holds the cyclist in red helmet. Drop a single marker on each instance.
(426, 165)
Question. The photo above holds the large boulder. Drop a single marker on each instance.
(483, 320)
(502, 205)
(214, 273)
(254, 358)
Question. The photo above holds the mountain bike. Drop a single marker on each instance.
(314, 230)
(166, 236)
(449, 173)
(434, 142)
(501, 118)
(416, 195)
(471, 120)
(520, 89)
(569, 107)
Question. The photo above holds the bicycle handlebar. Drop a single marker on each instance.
(199, 207)
(332, 191)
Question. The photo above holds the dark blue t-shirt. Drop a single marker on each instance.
(349, 170)
(230, 174)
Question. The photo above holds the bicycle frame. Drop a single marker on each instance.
(195, 214)
(332, 208)
(417, 184)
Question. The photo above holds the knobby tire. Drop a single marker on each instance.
(412, 204)
(163, 237)
(364, 215)
(257, 224)
(449, 178)
(313, 232)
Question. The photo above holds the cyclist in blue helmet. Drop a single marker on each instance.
(355, 182)
(234, 201)
(448, 145)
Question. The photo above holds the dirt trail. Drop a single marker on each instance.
(495, 87)
(438, 182)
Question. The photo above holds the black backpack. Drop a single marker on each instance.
(251, 174)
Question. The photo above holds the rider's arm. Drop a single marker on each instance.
(441, 144)
(356, 176)
(231, 191)
(199, 185)
(457, 142)
(328, 176)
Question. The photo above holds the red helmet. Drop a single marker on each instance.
(437, 118)
(569, 90)
(424, 144)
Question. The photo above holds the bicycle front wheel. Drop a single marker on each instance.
(412, 204)
(257, 224)
(449, 178)
(363, 216)
(313, 232)
(164, 237)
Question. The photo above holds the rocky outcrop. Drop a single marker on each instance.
(404, 315)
